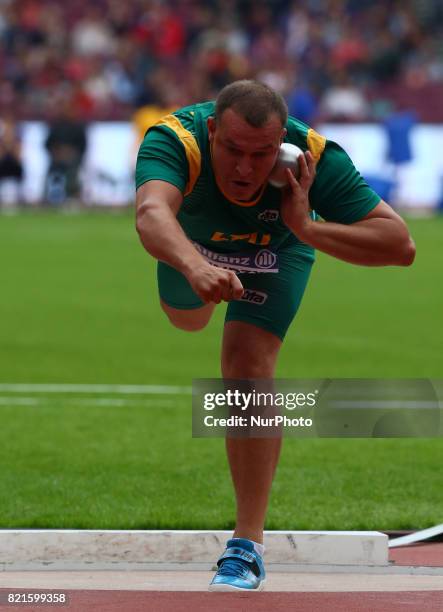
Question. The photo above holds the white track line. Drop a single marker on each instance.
(74, 388)
(20, 401)
(417, 536)
(92, 401)
(384, 404)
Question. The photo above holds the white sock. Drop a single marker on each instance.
(259, 548)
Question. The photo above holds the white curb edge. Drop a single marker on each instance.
(59, 548)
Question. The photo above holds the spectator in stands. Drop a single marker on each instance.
(157, 98)
(11, 168)
(106, 49)
(303, 104)
(344, 101)
(66, 145)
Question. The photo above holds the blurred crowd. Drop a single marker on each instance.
(333, 59)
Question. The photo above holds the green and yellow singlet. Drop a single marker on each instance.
(247, 237)
(176, 150)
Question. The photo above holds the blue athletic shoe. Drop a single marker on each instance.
(240, 568)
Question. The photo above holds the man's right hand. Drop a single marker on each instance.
(158, 203)
(213, 284)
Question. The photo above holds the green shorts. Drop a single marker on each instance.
(270, 300)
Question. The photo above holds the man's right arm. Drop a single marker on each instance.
(158, 203)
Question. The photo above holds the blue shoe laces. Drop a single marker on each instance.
(233, 567)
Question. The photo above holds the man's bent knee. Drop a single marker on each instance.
(189, 320)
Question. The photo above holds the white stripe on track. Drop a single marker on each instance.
(417, 536)
(92, 401)
(384, 404)
(20, 401)
(116, 389)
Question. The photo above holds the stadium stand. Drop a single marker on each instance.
(114, 57)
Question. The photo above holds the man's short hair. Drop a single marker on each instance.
(253, 100)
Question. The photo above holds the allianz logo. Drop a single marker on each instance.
(254, 297)
(265, 259)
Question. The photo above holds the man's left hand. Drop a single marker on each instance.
(295, 201)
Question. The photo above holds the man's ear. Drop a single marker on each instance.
(211, 128)
(283, 134)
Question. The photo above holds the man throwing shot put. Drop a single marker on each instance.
(204, 200)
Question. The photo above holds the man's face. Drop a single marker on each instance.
(242, 155)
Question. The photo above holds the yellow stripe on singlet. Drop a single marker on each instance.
(316, 143)
(192, 151)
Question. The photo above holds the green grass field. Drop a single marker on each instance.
(79, 305)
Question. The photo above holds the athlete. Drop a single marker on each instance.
(221, 232)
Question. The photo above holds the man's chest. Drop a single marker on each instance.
(209, 217)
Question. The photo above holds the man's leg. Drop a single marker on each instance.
(250, 352)
(254, 330)
(189, 320)
(183, 307)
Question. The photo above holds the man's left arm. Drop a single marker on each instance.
(381, 238)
